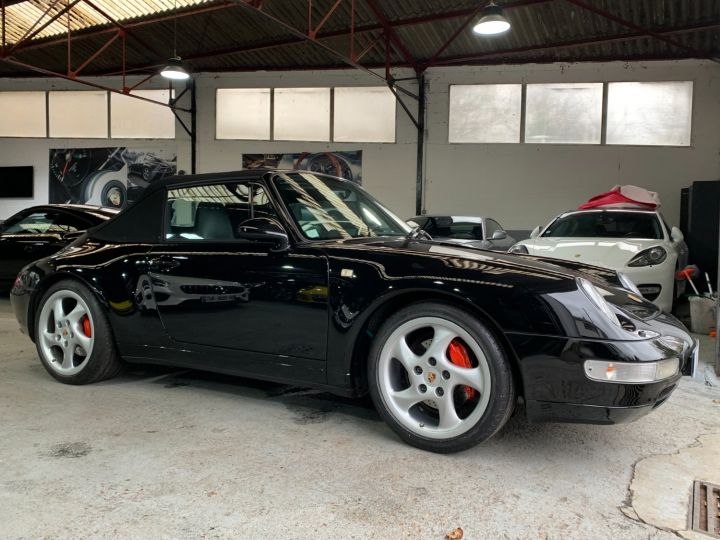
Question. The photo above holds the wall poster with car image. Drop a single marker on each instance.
(346, 165)
(112, 177)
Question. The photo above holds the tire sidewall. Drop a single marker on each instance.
(103, 350)
(502, 391)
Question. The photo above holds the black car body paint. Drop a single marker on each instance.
(306, 315)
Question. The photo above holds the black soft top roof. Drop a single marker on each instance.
(179, 181)
(142, 222)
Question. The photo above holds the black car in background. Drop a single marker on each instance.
(469, 231)
(40, 231)
(302, 278)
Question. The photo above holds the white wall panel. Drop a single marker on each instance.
(242, 113)
(23, 114)
(302, 114)
(132, 118)
(78, 114)
(364, 114)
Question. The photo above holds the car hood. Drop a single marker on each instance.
(612, 253)
(446, 250)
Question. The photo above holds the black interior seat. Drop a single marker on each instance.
(212, 222)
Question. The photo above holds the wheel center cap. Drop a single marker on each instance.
(431, 377)
(65, 332)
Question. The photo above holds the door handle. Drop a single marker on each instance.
(162, 263)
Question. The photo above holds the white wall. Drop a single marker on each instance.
(524, 185)
(36, 152)
(388, 169)
(521, 185)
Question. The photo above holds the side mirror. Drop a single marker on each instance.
(677, 235)
(535, 232)
(264, 230)
(72, 236)
(499, 235)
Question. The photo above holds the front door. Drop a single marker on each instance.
(213, 289)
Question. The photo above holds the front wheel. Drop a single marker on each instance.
(73, 336)
(440, 378)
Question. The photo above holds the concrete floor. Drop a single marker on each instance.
(166, 454)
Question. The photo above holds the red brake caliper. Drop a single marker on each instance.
(87, 328)
(459, 356)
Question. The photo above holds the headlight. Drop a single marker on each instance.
(647, 257)
(628, 284)
(598, 299)
(519, 248)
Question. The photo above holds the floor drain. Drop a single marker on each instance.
(706, 508)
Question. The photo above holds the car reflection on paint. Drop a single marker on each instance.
(161, 290)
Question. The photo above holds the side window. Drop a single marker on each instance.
(33, 223)
(215, 212)
(490, 227)
(66, 223)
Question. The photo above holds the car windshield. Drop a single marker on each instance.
(606, 224)
(325, 208)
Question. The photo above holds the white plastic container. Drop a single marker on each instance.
(702, 314)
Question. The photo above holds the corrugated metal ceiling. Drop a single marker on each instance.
(218, 36)
(24, 17)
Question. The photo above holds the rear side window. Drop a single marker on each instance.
(46, 222)
(215, 212)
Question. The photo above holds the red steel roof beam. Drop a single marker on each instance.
(137, 24)
(392, 36)
(455, 34)
(32, 31)
(313, 32)
(97, 53)
(121, 27)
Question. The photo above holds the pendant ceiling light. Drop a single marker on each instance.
(175, 68)
(492, 21)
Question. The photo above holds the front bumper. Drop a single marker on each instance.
(660, 276)
(556, 388)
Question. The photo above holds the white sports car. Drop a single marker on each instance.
(636, 243)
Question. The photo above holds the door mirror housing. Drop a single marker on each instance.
(535, 232)
(72, 236)
(677, 235)
(499, 235)
(264, 230)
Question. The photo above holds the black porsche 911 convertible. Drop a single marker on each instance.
(302, 278)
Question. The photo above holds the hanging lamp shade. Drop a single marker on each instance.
(492, 21)
(175, 69)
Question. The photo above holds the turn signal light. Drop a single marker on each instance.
(631, 372)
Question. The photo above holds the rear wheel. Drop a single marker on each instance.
(73, 336)
(440, 378)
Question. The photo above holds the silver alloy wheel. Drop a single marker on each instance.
(64, 345)
(419, 388)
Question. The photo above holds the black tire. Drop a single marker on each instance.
(104, 362)
(502, 393)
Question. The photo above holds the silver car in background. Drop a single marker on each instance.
(469, 231)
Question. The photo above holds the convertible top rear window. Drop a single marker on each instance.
(606, 224)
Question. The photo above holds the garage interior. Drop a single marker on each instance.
(431, 118)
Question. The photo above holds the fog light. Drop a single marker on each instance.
(631, 372)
